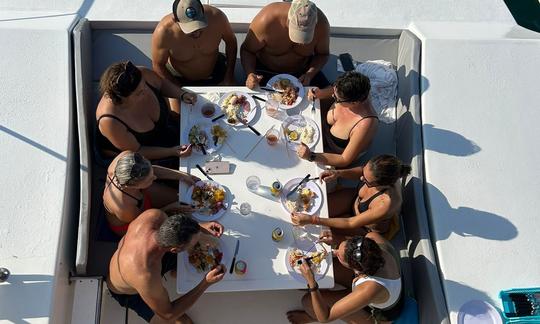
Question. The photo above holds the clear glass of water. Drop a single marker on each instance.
(253, 183)
(272, 107)
(245, 208)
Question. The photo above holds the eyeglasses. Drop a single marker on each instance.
(336, 100)
(367, 183)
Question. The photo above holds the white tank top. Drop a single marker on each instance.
(393, 286)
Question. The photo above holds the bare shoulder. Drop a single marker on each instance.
(271, 13)
(164, 30)
(151, 215)
(322, 21)
(150, 77)
(105, 106)
(378, 238)
(217, 19)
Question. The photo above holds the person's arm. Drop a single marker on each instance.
(253, 44)
(357, 299)
(157, 298)
(322, 51)
(167, 88)
(358, 143)
(250, 47)
(170, 174)
(231, 46)
(160, 53)
(370, 216)
(124, 140)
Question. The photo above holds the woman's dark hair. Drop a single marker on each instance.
(352, 86)
(176, 230)
(119, 80)
(131, 168)
(364, 254)
(387, 169)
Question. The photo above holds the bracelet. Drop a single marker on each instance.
(315, 220)
(312, 156)
(182, 95)
(314, 288)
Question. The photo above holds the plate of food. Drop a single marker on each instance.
(237, 104)
(210, 200)
(318, 259)
(307, 198)
(299, 129)
(204, 256)
(290, 91)
(208, 135)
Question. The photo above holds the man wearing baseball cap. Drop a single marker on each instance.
(287, 37)
(185, 46)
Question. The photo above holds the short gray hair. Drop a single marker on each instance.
(131, 168)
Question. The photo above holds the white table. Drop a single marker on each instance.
(265, 258)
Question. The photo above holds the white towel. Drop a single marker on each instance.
(383, 78)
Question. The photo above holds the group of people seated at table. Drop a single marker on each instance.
(138, 128)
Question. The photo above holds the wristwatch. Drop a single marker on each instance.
(312, 156)
(314, 288)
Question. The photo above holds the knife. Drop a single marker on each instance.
(306, 179)
(248, 125)
(234, 257)
(204, 172)
(272, 89)
(218, 117)
(259, 98)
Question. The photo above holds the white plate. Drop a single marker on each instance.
(252, 106)
(206, 126)
(321, 270)
(216, 242)
(478, 312)
(310, 185)
(295, 82)
(205, 217)
(295, 122)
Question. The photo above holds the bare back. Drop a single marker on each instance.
(137, 261)
(193, 58)
(268, 36)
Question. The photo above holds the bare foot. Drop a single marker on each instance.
(299, 317)
(184, 319)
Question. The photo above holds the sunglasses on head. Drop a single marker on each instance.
(140, 168)
(357, 253)
(128, 80)
(367, 183)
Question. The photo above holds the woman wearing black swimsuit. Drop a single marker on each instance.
(375, 206)
(133, 114)
(351, 123)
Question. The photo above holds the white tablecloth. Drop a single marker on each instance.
(265, 258)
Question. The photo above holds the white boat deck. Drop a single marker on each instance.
(479, 106)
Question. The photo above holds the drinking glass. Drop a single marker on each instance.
(253, 183)
(208, 110)
(272, 107)
(272, 136)
(245, 208)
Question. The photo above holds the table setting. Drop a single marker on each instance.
(251, 180)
